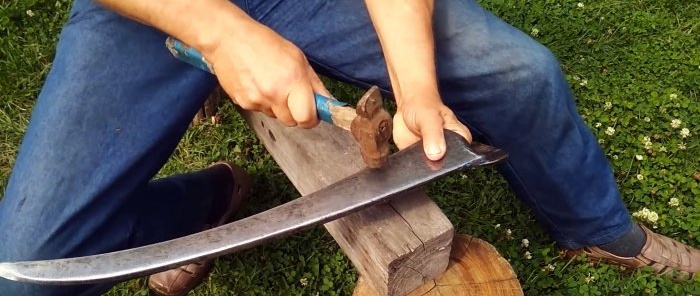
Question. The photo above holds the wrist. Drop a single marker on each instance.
(417, 91)
(224, 22)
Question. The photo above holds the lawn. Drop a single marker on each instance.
(633, 65)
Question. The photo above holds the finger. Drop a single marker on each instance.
(403, 137)
(317, 84)
(246, 104)
(431, 131)
(302, 106)
(451, 123)
(281, 112)
(233, 100)
(237, 97)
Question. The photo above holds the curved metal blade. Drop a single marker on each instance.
(403, 171)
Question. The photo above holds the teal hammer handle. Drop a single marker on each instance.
(193, 57)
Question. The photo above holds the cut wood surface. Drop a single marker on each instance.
(475, 269)
(396, 246)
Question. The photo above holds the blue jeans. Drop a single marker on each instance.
(115, 104)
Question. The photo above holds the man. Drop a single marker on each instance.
(125, 102)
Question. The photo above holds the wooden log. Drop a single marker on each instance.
(475, 269)
(396, 246)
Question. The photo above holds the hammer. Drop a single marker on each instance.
(370, 124)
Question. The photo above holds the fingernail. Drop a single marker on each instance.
(434, 150)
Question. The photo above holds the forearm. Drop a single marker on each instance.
(405, 31)
(201, 24)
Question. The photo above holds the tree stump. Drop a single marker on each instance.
(475, 268)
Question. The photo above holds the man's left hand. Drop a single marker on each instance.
(426, 118)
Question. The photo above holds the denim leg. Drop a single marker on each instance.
(508, 88)
(113, 108)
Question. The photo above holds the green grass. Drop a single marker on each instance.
(640, 61)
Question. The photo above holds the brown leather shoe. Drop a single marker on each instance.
(181, 280)
(664, 255)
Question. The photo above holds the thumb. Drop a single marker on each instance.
(431, 131)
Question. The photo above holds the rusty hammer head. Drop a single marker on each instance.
(372, 128)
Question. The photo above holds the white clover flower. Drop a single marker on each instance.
(676, 123)
(640, 177)
(662, 148)
(598, 124)
(607, 106)
(580, 5)
(647, 119)
(30, 13)
(653, 217)
(674, 202)
(681, 146)
(550, 267)
(601, 141)
(685, 132)
(525, 243)
(639, 157)
(647, 215)
(610, 131)
(589, 279)
(527, 255)
(673, 96)
(583, 82)
(497, 226)
(535, 32)
(304, 282)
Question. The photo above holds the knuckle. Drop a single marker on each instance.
(308, 122)
(288, 122)
(247, 105)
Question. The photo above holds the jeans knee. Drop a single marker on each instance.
(535, 71)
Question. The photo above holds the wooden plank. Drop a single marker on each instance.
(476, 269)
(396, 246)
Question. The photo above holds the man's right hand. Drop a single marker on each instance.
(267, 73)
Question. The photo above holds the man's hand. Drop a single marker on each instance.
(267, 73)
(259, 69)
(426, 118)
(405, 31)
